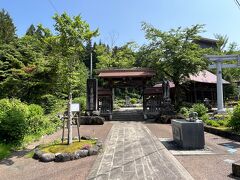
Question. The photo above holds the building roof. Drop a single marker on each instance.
(202, 77)
(122, 73)
(205, 77)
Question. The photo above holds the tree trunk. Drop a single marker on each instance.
(69, 119)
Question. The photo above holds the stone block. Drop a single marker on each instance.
(188, 135)
(236, 169)
(47, 157)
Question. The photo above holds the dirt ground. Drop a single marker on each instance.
(18, 167)
(214, 166)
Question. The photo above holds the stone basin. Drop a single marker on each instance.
(188, 135)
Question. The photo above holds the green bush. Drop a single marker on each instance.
(18, 120)
(133, 100)
(234, 122)
(48, 102)
(200, 109)
(205, 118)
(37, 123)
(13, 115)
(184, 111)
(212, 123)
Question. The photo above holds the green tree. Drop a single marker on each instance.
(173, 54)
(118, 57)
(7, 28)
(73, 34)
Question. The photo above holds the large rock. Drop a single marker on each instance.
(47, 157)
(93, 151)
(62, 157)
(37, 153)
(81, 153)
(236, 169)
(91, 120)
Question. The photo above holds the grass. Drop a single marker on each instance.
(58, 147)
(5, 151)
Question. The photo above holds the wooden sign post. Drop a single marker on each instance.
(218, 60)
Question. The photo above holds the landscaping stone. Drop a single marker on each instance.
(87, 150)
(83, 153)
(96, 113)
(37, 153)
(236, 169)
(62, 157)
(93, 151)
(85, 137)
(91, 120)
(47, 157)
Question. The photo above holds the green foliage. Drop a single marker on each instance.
(5, 150)
(133, 100)
(119, 57)
(13, 124)
(17, 120)
(205, 118)
(48, 102)
(173, 54)
(184, 111)
(212, 123)
(234, 122)
(200, 109)
(7, 28)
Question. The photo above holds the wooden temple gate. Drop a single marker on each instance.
(124, 78)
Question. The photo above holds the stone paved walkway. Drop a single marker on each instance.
(132, 152)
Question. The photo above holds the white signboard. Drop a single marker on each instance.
(75, 107)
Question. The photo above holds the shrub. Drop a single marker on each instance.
(205, 118)
(133, 100)
(200, 109)
(13, 115)
(18, 120)
(184, 111)
(48, 102)
(37, 123)
(234, 122)
(212, 123)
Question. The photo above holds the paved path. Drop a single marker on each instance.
(132, 152)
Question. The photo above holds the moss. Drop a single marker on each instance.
(65, 148)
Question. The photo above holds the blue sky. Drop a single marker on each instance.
(121, 19)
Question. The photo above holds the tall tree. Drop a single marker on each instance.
(173, 54)
(118, 57)
(73, 34)
(7, 28)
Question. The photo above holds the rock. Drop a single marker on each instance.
(47, 157)
(85, 137)
(81, 153)
(236, 169)
(96, 113)
(91, 120)
(93, 151)
(37, 153)
(62, 157)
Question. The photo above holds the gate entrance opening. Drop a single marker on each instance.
(138, 79)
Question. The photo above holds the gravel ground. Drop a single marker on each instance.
(21, 168)
(215, 166)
